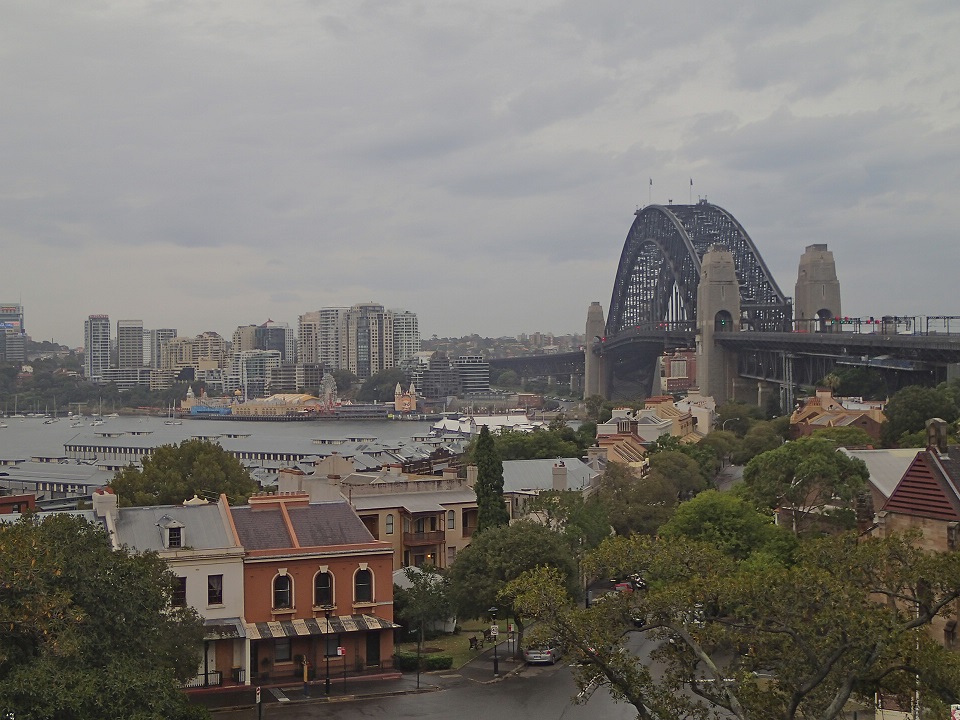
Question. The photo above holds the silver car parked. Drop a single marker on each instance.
(542, 654)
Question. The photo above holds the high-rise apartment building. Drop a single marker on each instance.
(406, 336)
(308, 338)
(474, 373)
(275, 336)
(96, 346)
(157, 339)
(369, 340)
(332, 337)
(129, 343)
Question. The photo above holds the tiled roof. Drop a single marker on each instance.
(930, 487)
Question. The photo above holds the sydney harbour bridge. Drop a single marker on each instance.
(691, 277)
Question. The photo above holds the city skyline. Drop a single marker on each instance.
(477, 164)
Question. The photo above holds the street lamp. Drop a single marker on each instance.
(493, 632)
(723, 425)
(326, 650)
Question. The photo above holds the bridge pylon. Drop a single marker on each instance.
(718, 311)
(817, 295)
(593, 381)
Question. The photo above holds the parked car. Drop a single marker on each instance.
(542, 654)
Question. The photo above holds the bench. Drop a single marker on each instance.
(487, 636)
(476, 643)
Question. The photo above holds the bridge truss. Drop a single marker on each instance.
(659, 270)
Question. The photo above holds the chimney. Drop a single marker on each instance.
(105, 503)
(559, 475)
(472, 475)
(937, 435)
(449, 473)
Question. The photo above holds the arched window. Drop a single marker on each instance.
(282, 592)
(389, 524)
(323, 589)
(451, 520)
(363, 586)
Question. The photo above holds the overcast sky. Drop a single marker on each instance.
(201, 165)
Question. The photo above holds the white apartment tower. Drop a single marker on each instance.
(308, 338)
(96, 346)
(332, 338)
(406, 336)
(129, 343)
(157, 339)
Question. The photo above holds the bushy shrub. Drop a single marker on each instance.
(407, 662)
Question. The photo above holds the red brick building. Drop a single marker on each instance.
(317, 586)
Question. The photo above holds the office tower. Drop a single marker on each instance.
(369, 340)
(11, 318)
(474, 373)
(275, 336)
(96, 346)
(406, 336)
(129, 343)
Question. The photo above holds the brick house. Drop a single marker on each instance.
(317, 588)
(927, 499)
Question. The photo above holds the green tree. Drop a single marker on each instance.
(593, 406)
(495, 557)
(843, 621)
(87, 631)
(634, 504)
(761, 437)
(491, 512)
(808, 477)
(175, 473)
(683, 472)
(910, 408)
(583, 522)
(423, 604)
(729, 524)
(382, 386)
(845, 436)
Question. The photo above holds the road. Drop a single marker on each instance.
(535, 693)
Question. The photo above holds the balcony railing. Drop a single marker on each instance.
(208, 679)
(435, 537)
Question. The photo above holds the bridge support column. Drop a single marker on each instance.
(718, 311)
(742, 391)
(764, 395)
(593, 381)
(817, 294)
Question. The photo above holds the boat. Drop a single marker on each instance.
(173, 419)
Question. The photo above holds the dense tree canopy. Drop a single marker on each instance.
(729, 524)
(634, 504)
(842, 620)
(382, 386)
(849, 437)
(810, 478)
(910, 408)
(88, 632)
(499, 555)
(175, 473)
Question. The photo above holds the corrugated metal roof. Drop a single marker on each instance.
(316, 524)
(139, 527)
(886, 467)
(415, 501)
(538, 474)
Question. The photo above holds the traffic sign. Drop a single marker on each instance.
(494, 630)
(258, 694)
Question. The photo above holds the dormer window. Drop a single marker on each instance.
(172, 532)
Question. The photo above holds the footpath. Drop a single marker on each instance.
(359, 687)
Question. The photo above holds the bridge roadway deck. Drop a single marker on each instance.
(933, 348)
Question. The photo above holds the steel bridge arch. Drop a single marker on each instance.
(659, 270)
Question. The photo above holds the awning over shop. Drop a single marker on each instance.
(316, 626)
(223, 628)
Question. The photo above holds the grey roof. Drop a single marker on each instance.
(519, 475)
(73, 473)
(316, 524)
(415, 502)
(886, 467)
(140, 527)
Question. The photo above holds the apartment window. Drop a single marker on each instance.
(363, 586)
(179, 598)
(282, 592)
(214, 589)
(451, 520)
(451, 554)
(281, 650)
(323, 589)
(389, 524)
